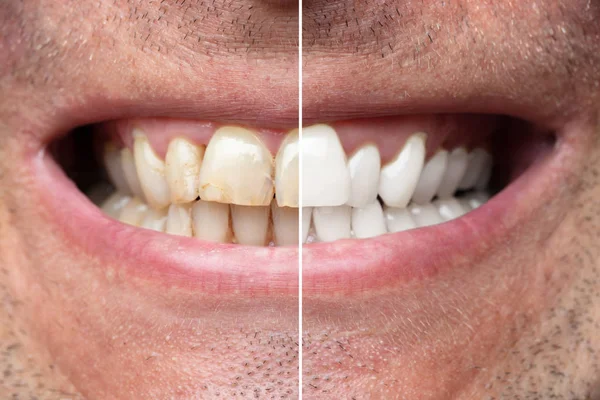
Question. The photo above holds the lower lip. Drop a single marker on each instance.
(344, 266)
(351, 266)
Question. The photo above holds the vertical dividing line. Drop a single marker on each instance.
(300, 352)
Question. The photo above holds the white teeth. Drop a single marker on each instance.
(114, 168)
(286, 172)
(332, 223)
(133, 212)
(325, 177)
(398, 219)
(306, 218)
(399, 178)
(368, 221)
(285, 225)
(431, 177)
(237, 169)
(425, 215)
(250, 224)
(182, 167)
(179, 220)
(211, 221)
(130, 172)
(364, 167)
(474, 200)
(486, 173)
(477, 159)
(155, 220)
(449, 209)
(458, 161)
(114, 204)
(151, 172)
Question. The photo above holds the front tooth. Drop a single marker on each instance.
(368, 221)
(286, 172)
(399, 178)
(431, 177)
(131, 175)
(133, 212)
(250, 224)
(211, 221)
(306, 218)
(179, 220)
(151, 172)
(426, 215)
(477, 159)
(458, 161)
(237, 169)
(114, 168)
(182, 167)
(155, 220)
(332, 223)
(364, 167)
(285, 225)
(398, 219)
(449, 209)
(325, 176)
(114, 204)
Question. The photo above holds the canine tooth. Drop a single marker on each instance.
(486, 173)
(286, 172)
(306, 218)
(211, 221)
(425, 215)
(151, 172)
(368, 221)
(130, 173)
(449, 209)
(332, 223)
(114, 168)
(458, 161)
(398, 219)
(250, 224)
(285, 225)
(364, 167)
(182, 167)
(155, 220)
(114, 204)
(179, 220)
(133, 212)
(430, 178)
(237, 169)
(399, 178)
(477, 159)
(325, 176)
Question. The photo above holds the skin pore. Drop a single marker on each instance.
(520, 321)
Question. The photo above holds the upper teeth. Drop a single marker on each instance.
(339, 194)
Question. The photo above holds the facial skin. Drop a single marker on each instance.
(519, 320)
(73, 322)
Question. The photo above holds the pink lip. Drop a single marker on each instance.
(346, 266)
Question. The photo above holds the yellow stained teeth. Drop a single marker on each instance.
(182, 168)
(237, 169)
(286, 171)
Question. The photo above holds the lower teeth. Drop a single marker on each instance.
(328, 224)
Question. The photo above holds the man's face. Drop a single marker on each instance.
(409, 289)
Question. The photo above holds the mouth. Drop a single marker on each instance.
(215, 206)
